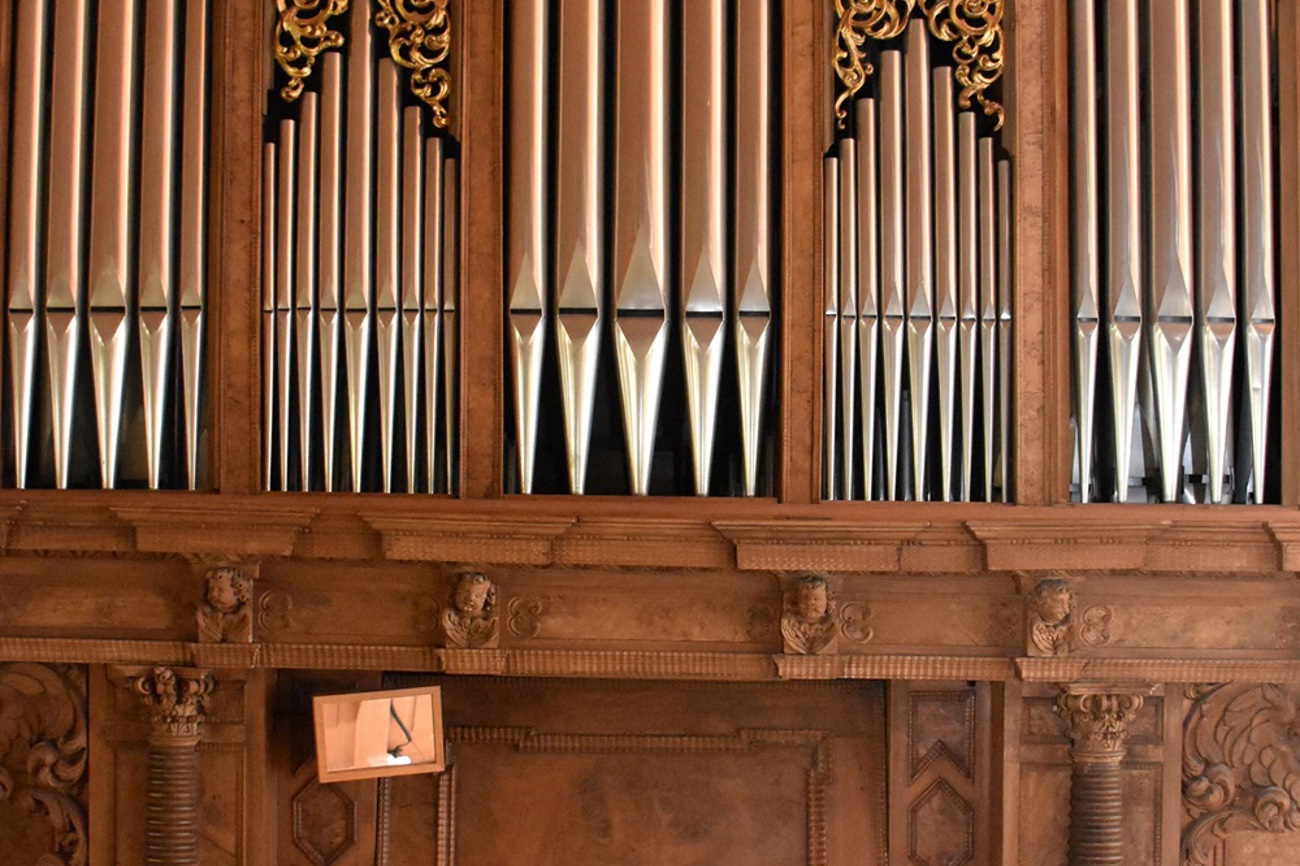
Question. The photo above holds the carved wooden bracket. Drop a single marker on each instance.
(643, 543)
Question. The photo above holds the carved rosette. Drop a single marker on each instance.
(177, 699)
(973, 27)
(1096, 719)
(301, 33)
(419, 39)
(1241, 765)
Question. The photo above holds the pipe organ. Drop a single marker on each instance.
(106, 281)
(639, 254)
(359, 267)
(917, 291)
(1173, 275)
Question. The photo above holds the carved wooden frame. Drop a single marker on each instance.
(744, 740)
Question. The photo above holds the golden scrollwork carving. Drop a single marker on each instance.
(301, 33)
(419, 38)
(860, 20)
(975, 29)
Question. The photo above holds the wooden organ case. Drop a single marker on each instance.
(787, 431)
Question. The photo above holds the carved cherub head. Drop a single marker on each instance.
(474, 596)
(1053, 601)
(811, 601)
(227, 589)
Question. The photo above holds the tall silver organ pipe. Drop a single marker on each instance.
(1085, 276)
(1124, 283)
(830, 326)
(579, 300)
(110, 271)
(921, 228)
(893, 297)
(1171, 278)
(358, 296)
(26, 295)
(639, 252)
(752, 285)
(639, 218)
(704, 278)
(1187, 248)
(527, 275)
(105, 277)
(868, 252)
(1258, 306)
(920, 245)
(341, 310)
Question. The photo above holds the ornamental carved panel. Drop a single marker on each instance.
(43, 757)
(1241, 775)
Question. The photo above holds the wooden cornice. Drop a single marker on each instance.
(215, 530)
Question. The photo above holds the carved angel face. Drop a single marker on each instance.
(223, 595)
(1053, 601)
(810, 600)
(473, 595)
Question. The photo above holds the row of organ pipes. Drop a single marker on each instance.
(359, 229)
(106, 283)
(1173, 275)
(917, 287)
(688, 251)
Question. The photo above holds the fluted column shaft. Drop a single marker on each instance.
(1096, 720)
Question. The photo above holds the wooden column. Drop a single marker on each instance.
(1096, 719)
(176, 698)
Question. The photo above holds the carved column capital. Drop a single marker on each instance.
(176, 697)
(1096, 718)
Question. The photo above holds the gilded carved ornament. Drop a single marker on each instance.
(974, 27)
(419, 40)
(301, 33)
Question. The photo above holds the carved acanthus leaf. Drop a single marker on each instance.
(860, 20)
(43, 728)
(1241, 765)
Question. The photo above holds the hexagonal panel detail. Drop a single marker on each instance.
(324, 822)
(940, 828)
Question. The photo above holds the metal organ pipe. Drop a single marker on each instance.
(1207, 181)
(930, 258)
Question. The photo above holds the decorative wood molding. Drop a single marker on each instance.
(1077, 546)
(635, 665)
(1158, 670)
(324, 822)
(469, 538)
(47, 526)
(643, 543)
(1096, 718)
(211, 529)
(1287, 539)
(1241, 765)
(43, 731)
(892, 667)
(817, 545)
(352, 657)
